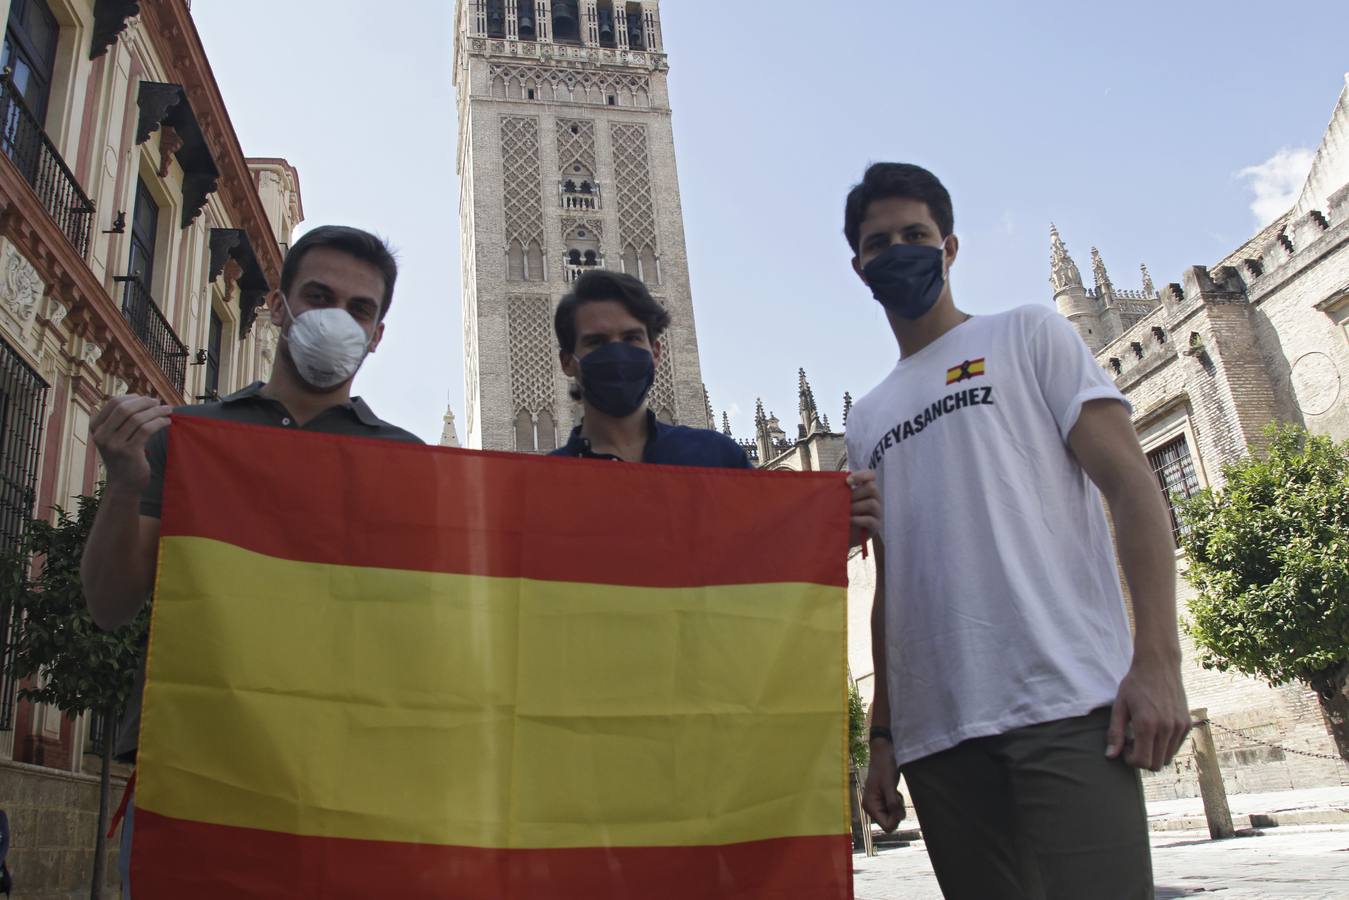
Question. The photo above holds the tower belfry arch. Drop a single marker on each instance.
(566, 164)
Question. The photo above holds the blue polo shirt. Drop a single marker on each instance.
(671, 445)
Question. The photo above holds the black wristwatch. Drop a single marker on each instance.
(880, 731)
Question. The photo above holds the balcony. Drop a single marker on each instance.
(153, 330)
(33, 154)
(574, 265)
(581, 197)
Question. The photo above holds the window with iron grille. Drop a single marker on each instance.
(23, 401)
(30, 52)
(213, 341)
(1175, 472)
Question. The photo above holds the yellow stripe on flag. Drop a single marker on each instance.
(390, 705)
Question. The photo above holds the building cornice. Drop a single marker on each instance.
(170, 27)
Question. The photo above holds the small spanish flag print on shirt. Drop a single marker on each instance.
(972, 368)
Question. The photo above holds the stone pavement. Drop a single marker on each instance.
(1295, 863)
(1310, 806)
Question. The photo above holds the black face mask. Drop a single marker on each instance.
(907, 279)
(616, 378)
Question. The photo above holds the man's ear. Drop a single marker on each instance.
(276, 310)
(857, 267)
(570, 367)
(657, 348)
(951, 249)
(376, 337)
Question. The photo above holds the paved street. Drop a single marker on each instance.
(1277, 864)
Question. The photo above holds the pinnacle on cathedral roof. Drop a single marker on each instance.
(847, 408)
(1063, 271)
(725, 423)
(1103, 285)
(1148, 287)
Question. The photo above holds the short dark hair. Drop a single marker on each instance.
(352, 241)
(885, 180)
(601, 285)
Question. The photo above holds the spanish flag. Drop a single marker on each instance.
(971, 368)
(386, 671)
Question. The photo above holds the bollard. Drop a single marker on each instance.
(1211, 788)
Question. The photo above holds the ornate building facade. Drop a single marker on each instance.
(1208, 363)
(137, 245)
(566, 163)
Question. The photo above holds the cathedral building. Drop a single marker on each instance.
(566, 164)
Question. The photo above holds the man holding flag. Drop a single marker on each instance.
(337, 286)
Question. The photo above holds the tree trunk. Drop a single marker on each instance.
(104, 796)
(1332, 689)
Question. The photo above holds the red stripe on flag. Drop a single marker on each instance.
(358, 502)
(209, 861)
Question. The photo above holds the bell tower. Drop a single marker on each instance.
(566, 164)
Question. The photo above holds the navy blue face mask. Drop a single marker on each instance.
(907, 279)
(616, 378)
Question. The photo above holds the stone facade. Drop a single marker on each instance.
(137, 245)
(566, 163)
(53, 818)
(1208, 363)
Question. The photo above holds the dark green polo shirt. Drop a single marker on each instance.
(250, 407)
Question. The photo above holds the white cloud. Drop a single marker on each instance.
(1277, 181)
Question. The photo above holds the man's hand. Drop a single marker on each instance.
(866, 507)
(120, 431)
(881, 798)
(1151, 700)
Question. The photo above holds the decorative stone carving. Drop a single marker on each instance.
(250, 301)
(109, 22)
(223, 241)
(197, 186)
(170, 142)
(119, 387)
(524, 184)
(1063, 271)
(155, 100)
(533, 364)
(91, 353)
(1316, 383)
(232, 271)
(632, 176)
(20, 287)
(54, 311)
(267, 339)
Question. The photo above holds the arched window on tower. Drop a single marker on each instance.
(496, 18)
(499, 88)
(591, 258)
(547, 433)
(527, 27)
(650, 267)
(608, 25)
(574, 257)
(566, 21)
(515, 262)
(630, 263)
(636, 37)
(513, 89)
(534, 262)
(524, 433)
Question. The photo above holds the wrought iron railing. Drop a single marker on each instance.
(153, 330)
(23, 402)
(33, 154)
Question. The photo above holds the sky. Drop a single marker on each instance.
(1163, 133)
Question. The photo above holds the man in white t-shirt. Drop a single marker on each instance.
(1008, 689)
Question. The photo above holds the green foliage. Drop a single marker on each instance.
(859, 748)
(1269, 557)
(82, 668)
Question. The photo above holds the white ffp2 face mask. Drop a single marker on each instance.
(327, 345)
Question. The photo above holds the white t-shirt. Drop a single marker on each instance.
(1003, 603)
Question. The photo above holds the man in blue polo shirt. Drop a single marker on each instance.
(608, 334)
